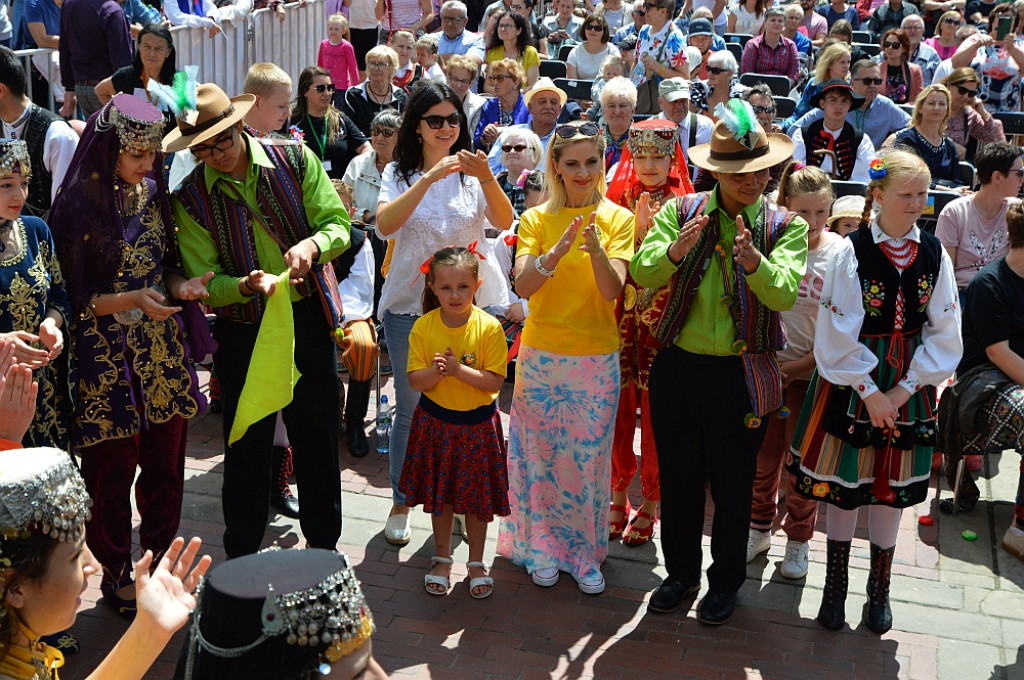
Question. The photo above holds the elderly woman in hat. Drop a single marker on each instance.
(136, 387)
(728, 245)
(651, 171)
(281, 615)
(45, 564)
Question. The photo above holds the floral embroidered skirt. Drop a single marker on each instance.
(560, 444)
(838, 457)
(455, 463)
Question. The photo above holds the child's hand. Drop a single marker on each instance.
(645, 211)
(447, 363)
(882, 411)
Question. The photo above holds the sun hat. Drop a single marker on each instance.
(833, 85)
(215, 113)
(693, 58)
(739, 143)
(847, 206)
(541, 85)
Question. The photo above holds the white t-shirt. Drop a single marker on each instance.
(746, 21)
(588, 66)
(976, 241)
(451, 213)
(616, 17)
(800, 319)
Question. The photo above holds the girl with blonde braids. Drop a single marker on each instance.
(888, 332)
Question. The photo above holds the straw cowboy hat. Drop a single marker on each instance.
(544, 84)
(216, 113)
(730, 153)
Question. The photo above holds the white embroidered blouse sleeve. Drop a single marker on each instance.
(865, 154)
(941, 345)
(799, 150)
(840, 357)
(61, 143)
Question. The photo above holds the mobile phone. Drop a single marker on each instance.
(1003, 26)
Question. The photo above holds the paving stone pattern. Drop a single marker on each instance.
(958, 605)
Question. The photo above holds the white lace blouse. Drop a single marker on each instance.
(843, 360)
(451, 213)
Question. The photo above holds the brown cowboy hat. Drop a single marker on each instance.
(756, 151)
(216, 114)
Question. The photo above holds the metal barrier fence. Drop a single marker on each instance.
(226, 58)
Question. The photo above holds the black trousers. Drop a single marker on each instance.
(312, 422)
(357, 401)
(698, 403)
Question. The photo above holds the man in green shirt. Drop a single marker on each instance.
(727, 263)
(250, 212)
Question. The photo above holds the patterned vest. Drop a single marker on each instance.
(845, 147)
(39, 121)
(880, 281)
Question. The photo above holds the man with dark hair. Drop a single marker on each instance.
(51, 141)
(832, 143)
(973, 228)
(96, 41)
(890, 15)
(878, 117)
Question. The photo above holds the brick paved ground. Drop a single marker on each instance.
(958, 605)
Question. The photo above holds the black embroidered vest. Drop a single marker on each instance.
(34, 134)
(880, 281)
(845, 147)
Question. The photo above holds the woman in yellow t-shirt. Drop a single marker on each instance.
(511, 40)
(571, 263)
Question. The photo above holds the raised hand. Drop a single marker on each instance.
(645, 212)
(686, 238)
(743, 250)
(591, 237)
(17, 397)
(165, 597)
(446, 166)
(475, 164)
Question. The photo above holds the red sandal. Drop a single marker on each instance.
(640, 536)
(615, 529)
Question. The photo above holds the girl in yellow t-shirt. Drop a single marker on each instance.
(455, 460)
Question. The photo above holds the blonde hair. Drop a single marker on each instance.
(915, 118)
(429, 42)
(965, 74)
(553, 182)
(512, 67)
(339, 18)
(799, 179)
(263, 77)
(951, 14)
(827, 58)
(385, 52)
(614, 60)
(465, 63)
(400, 34)
(897, 163)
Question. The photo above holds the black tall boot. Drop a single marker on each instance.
(281, 498)
(832, 612)
(877, 613)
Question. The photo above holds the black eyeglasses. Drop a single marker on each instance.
(383, 132)
(437, 122)
(970, 94)
(324, 88)
(587, 129)
(509, 148)
(762, 109)
(452, 20)
(714, 70)
(1017, 171)
(594, 27)
(639, 11)
(951, 20)
(870, 81)
(894, 45)
(221, 145)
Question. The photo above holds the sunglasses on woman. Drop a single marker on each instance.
(714, 70)
(498, 78)
(383, 132)
(569, 131)
(594, 27)
(951, 20)
(437, 122)
(893, 45)
(967, 92)
(509, 148)
(324, 88)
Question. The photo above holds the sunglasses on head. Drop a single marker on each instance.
(762, 109)
(870, 81)
(437, 122)
(951, 20)
(967, 92)
(324, 88)
(894, 45)
(509, 148)
(383, 132)
(717, 71)
(587, 129)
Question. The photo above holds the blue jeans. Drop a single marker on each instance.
(397, 328)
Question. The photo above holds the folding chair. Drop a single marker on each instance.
(779, 85)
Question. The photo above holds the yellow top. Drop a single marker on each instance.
(568, 314)
(528, 59)
(479, 344)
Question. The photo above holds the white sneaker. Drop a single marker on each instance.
(794, 564)
(757, 543)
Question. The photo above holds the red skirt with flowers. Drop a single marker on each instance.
(456, 458)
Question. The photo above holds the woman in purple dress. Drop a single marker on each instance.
(135, 384)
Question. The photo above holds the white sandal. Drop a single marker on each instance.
(431, 580)
(481, 582)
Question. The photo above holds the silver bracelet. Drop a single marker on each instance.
(540, 268)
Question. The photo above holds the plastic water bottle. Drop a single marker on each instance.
(384, 426)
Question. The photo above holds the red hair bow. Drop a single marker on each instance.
(472, 247)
